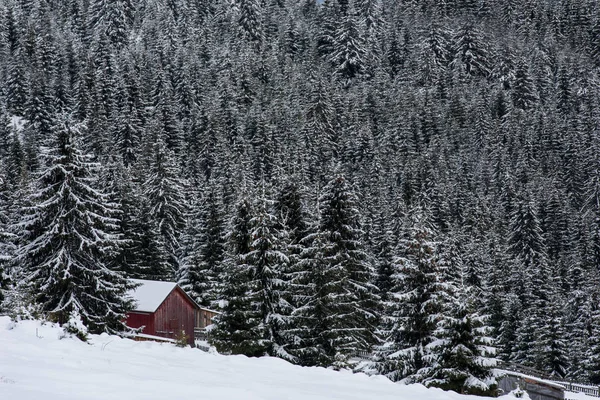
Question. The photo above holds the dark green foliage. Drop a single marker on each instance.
(466, 354)
(415, 306)
(240, 328)
(202, 267)
(485, 111)
(68, 238)
(164, 193)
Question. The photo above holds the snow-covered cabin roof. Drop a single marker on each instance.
(149, 295)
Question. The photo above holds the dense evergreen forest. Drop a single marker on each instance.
(417, 180)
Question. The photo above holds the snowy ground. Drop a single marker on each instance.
(36, 364)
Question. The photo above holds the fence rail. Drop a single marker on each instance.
(578, 388)
(573, 387)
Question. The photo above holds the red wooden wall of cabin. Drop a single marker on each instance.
(136, 320)
(176, 313)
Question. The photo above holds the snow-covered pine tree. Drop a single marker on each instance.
(530, 278)
(7, 239)
(416, 304)
(347, 286)
(523, 88)
(119, 186)
(237, 328)
(164, 190)
(152, 259)
(552, 348)
(112, 19)
(592, 350)
(250, 19)
(434, 51)
(266, 263)
(464, 352)
(384, 264)
(349, 54)
(312, 345)
(67, 237)
(471, 53)
(512, 310)
(201, 268)
(291, 230)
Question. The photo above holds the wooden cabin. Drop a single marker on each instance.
(163, 309)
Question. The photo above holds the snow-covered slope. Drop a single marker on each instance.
(36, 364)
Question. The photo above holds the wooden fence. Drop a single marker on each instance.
(573, 387)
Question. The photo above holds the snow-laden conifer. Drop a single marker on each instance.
(202, 266)
(164, 190)
(415, 306)
(464, 352)
(67, 239)
(344, 298)
(236, 330)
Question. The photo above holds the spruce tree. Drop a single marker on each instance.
(112, 19)
(417, 304)
(239, 328)
(291, 230)
(312, 345)
(471, 53)
(267, 264)
(67, 239)
(349, 321)
(465, 352)
(523, 90)
(552, 351)
(7, 239)
(201, 269)
(348, 55)
(164, 191)
(152, 261)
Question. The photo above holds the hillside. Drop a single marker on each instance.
(43, 367)
(411, 179)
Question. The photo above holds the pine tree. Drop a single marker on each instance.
(527, 247)
(164, 191)
(291, 230)
(312, 345)
(267, 263)
(127, 131)
(471, 54)
(346, 280)
(202, 267)
(240, 328)
(592, 363)
(512, 312)
(117, 182)
(348, 55)
(112, 19)
(152, 261)
(16, 86)
(250, 19)
(523, 91)
(67, 238)
(464, 353)
(552, 346)
(7, 239)
(434, 49)
(417, 305)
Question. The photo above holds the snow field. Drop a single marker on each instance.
(36, 364)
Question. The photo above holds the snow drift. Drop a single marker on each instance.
(38, 363)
